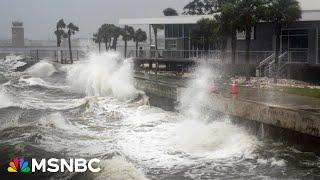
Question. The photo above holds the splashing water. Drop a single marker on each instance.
(5, 100)
(79, 111)
(42, 69)
(103, 74)
(118, 168)
(197, 94)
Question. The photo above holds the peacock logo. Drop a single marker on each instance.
(19, 165)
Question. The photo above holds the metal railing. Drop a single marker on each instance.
(268, 67)
(212, 55)
(175, 54)
(34, 54)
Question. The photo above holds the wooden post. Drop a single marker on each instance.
(55, 56)
(78, 55)
(62, 61)
(37, 55)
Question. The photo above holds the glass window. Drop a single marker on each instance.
(298, 32)
(298, 42)
(171, 44)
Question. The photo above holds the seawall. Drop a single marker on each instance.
(283, 123)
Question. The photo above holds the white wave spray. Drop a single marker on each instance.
(216, 137)
(5, 100)
(42, 69)
(118, 168)
(103, 74)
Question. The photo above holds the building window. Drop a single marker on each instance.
(295, 39)
(296, 42)
(171, 44)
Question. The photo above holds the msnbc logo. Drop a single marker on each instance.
(54, 165)
(19, 165)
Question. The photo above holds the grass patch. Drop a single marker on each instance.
(315, 93)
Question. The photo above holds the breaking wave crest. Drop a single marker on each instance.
(42, 69)
(103, 74)
(118, 168)
(5, 100)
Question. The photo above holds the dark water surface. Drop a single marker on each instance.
(45, 115)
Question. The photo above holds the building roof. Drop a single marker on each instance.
(310, 15)
(307, 15)
(163, 20)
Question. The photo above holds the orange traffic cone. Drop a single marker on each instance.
(213, 88)
(234, 88)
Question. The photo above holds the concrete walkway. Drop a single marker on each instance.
(272, 98)
(276, 98)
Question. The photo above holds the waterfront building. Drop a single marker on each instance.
(299, 41)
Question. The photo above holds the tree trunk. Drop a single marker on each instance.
(233, 46)
(70, 50)
(125, 49)
(99, 44)
(58, 38)
(110, 40)
(277, 54)
(224, 48)
(248, 41)
(114, 43)
(106, 44)
(137, 45)
(156, 37)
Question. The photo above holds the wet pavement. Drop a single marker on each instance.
(272, 98)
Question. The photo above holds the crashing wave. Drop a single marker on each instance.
(103, 74)
(41, 69)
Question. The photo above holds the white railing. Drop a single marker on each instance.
(267, 67)
(176, 54)
(212, 55)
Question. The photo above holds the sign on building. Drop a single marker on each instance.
(241, 35)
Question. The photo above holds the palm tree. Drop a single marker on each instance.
(229, 23)
(201, 7)
(250, 13)
(97, 38)
(59, 31)
(127, 34)
(208, 30)
(155, 28)
(281, 13)
(139, 36)
(170, 12)
(72, 29)
(116, 32)
(106, 35)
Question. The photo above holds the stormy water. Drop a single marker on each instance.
(92, 110)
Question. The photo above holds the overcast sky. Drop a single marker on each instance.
(39, 16)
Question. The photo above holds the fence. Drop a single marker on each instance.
(62, 56)
(36, 54)
(215, 55)
(212, 55)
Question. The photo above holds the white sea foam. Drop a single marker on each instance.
(118, 168)
(103, 74)
(5, 100)
(13, 62)
(34, 81)
(56, 120)
(42, 69)
(199, 133)
(196, 96)
(218, 139)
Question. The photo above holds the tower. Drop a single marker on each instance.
(17, 34)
